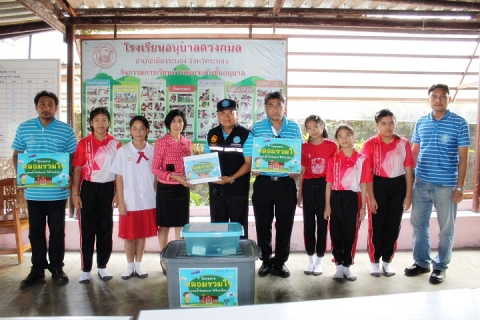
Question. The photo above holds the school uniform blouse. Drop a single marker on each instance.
(168, 151)
(347, 173)
(388, 160)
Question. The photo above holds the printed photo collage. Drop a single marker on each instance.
(184, 101)
(125, 105)
(262, 91)
(210, 92)
(154, 100)
(153, 106)
(96, 96)
(244, 100)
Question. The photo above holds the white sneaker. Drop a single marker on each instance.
(317, 270)
(309, 269)
(349, 274)
(388, 270)
(339, 274)
(375, 269)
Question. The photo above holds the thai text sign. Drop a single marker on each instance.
(152, 77)
(208, 287)
(202, 168)
(43, 170)
(276, 155)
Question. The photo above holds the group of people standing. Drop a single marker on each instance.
(338, 185)
(385, 178)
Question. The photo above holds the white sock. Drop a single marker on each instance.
(375, 269)
(104, 273)
(387, 268)
(84, 277)
(310, 259)
(138, 268)
(130, 268)
(349, 274)
(318, 269)
(309, 268)
(339, 273)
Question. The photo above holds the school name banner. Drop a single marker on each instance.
(152, 77)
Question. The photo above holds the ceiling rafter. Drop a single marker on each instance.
(23, 29)
(65, 6)
(47, 14)
(267, 12)
(278, 6)
(283, 21)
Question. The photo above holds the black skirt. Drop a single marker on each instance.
(173, 205)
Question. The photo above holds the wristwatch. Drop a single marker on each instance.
(460, 189)
(233, 180)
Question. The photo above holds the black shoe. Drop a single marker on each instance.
(106, 278)
(141, 276)
(59, 277)
(264, 269)
(415, 270)
(32, 279)
(437, 276)
(127, 277)
(281, 272)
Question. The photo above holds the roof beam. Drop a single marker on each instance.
(19, 30)
(45, 11)
(304, 12)
(65, 6)
(364, 23)
(278, 6)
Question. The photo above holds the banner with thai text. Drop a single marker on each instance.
(152, 77)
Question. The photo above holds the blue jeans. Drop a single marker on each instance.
(425, 196)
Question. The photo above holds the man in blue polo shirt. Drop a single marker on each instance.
(274, 195)
(440, 147)
(45, 134)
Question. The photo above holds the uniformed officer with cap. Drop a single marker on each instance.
(229, 196)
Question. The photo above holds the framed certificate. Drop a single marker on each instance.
(43, 170)
(276, 155)
(202, 168)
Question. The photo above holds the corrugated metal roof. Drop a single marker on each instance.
(26, 16)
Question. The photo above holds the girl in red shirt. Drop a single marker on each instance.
(93, 192)
(391, 159)
(311, 195)
(345, 200)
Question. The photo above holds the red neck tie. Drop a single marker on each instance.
(141, 155)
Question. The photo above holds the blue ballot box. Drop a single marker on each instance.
(212, 239)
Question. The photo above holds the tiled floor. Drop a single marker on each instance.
(119, 297)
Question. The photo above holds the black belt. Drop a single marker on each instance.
(273, 178)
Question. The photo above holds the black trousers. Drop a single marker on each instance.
(344, 225)
(39, 213)
(96, 223)
(313, 209)
(229, 209)
(384, 226)
(274, 199)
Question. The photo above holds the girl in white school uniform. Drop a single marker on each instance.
(136, 196)
(345, 200)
